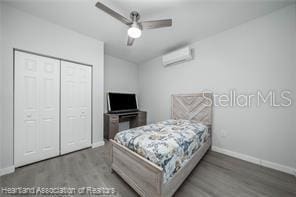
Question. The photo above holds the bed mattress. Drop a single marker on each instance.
(169, 144)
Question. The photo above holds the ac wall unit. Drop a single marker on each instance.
(177, 56)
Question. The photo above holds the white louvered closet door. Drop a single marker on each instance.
(75, 106)
(36, 126)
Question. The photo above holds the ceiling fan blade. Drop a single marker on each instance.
(130, 41)
(113, 13)
(156, 24)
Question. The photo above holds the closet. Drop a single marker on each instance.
(75, 107)
(52, 107)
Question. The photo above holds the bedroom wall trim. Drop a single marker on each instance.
(98, 144)
(7, 170)
(255, 160)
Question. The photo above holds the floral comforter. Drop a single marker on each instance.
(169, 144)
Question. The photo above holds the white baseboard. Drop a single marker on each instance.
(7, 170)
(97, 144)
(255, 160)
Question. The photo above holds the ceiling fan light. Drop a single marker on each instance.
(134, 32)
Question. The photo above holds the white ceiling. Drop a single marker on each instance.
(193, 20)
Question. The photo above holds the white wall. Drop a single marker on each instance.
(120, 76)
(258, 55)
(27, 32)
(1, 77)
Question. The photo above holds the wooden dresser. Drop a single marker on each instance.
(111, 121)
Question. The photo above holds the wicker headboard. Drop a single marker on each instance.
(194, 107)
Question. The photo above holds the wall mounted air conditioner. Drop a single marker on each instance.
(177, 56)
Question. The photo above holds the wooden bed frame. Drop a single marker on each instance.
(145, 177)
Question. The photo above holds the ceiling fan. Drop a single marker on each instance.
(135, 27)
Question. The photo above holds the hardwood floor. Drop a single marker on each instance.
(216, 175)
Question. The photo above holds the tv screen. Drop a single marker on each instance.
(119, 102)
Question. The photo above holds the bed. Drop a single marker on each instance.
(155, 159)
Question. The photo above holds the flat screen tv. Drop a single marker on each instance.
(121, 102)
